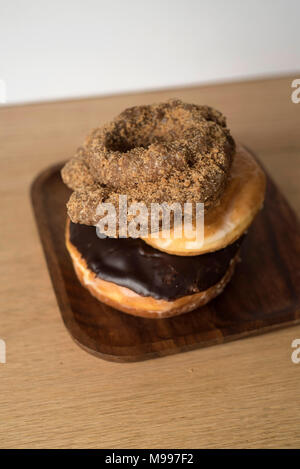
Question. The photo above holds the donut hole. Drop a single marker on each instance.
(124, 141)
(126, 136)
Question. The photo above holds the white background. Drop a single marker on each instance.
(62, 48)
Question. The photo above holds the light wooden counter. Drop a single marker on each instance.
(52, 393)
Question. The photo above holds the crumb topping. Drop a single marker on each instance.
(168, 152)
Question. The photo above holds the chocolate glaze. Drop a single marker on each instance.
(134, 264)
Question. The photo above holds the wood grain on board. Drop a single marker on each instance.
(250, 304)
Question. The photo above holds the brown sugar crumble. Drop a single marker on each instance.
(168, 152)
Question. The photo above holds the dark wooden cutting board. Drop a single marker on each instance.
(263, 295)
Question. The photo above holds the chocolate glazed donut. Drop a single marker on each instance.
(120, 272)
(133, 264)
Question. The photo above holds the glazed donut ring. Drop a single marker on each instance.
(169, 152)
(223, 224)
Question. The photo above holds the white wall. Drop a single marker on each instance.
(70, 48)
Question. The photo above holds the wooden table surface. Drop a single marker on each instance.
(55, 395)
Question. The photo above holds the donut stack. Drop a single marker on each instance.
(164, 153)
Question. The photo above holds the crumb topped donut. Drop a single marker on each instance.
(168, 152)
